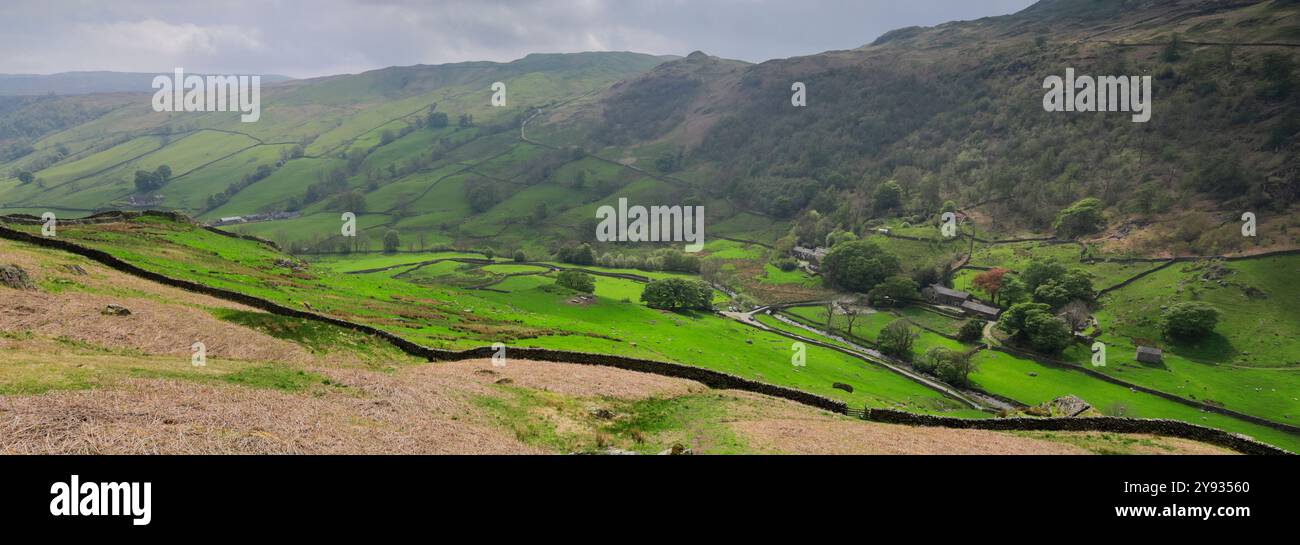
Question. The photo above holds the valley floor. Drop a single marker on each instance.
(77, 380)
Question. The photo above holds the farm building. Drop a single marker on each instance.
(981, 310)
(947, 296)
(813, 256)
(1149, 354)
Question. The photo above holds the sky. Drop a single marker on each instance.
(307, 38)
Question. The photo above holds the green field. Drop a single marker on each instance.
(533, 313)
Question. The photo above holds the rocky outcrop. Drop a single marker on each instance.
(13, 276)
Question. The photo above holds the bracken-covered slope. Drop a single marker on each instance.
(954, 112)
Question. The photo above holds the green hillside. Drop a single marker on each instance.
(1082, 229)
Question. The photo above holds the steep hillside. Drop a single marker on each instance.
(82, 153)
(954, 112)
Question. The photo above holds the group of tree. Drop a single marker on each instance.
(327, 184)
(1042, 281)
(950, 366)
(847, 310)
(435, 119)
(146, 181)
(482, 196)
(860, 266)
(260, 173)
(971, 330)
(1035, 325)
(896, 290)
(577, 281)
(663, 259)
(392, 241)
(897, 339)
(581, 254)
(669, 161)
(678, 294)
(1054, 285)
(349, 201)
(1084, 217)
(1189, 321)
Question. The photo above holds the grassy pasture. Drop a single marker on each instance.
(530, 315)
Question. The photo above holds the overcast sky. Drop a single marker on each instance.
(303, 38)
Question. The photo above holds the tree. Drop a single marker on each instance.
(972, 330)
(667, 162)
(146, 181)
(482, 196)
(1173, 50)
(1189, 321)
(896, 340)
(539, 214)
(1013, 320)
(1013, 291)
(839, 236)
(949, 365)
(576, 281)
(350, 201)
(676, 293)
(895, 290)
(392, 241)
(887, 196)
(435, 120)
(956, 369)
(1076, 315)
(579, 255)
(991, 281)
(465, 121)
(859, 265)
(1046, 333)
(26, 177)
(1040, 271)
(520, 256)
(1070, 286)
(851, 313)
(1081, 218)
